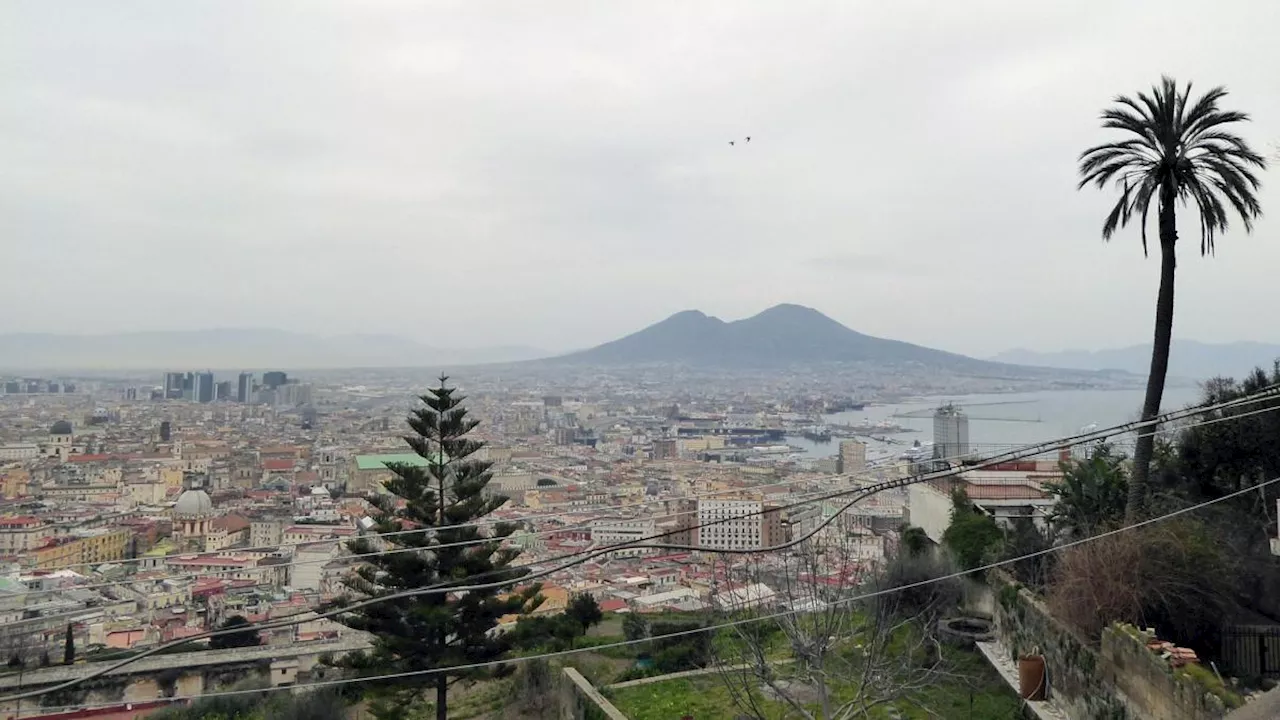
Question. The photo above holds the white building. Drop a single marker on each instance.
(19, 451)
(610, 532)
(1004, 494)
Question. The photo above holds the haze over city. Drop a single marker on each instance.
(706, 360)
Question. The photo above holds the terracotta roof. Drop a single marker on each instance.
(277, 465)
(231, 523)
(1005, 492)
(613, 605)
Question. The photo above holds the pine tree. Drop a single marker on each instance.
(443, 494)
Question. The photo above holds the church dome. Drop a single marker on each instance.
(193, 502)
(62, 427)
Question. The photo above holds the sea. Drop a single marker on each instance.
(1000, 421)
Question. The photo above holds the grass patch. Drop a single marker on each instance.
(1210, 681)
(705, 698)
(972, 690)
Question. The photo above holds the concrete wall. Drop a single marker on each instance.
(929, 510)
(579, 700)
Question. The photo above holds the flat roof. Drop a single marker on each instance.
(379, 462)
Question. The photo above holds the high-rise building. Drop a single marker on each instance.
(274, 379)
(202, 390)
(244, 388)
(853, 457)
(950, 433)
(12, 388)
(173, 385)
(222, 390)
(166, 431)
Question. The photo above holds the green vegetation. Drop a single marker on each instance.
(1207, 679)
(971, 689)
(319, 705)
(442, 491)
(1177, 151)
(972, 533)
(705, 698)
(1092, 493)
(247, 638)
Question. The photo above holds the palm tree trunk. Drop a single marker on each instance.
(1138, 483)
(442, 697)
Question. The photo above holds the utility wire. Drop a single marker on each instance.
(476, 541)
(514, 521)
(694, 631)
(800, 500)
(581, 557)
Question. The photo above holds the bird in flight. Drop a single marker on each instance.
(748, 138)
(730, 142)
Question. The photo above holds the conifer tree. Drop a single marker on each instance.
(443, 493)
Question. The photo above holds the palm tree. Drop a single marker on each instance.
(1175, 151)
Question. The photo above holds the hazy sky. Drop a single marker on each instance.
(554, 173)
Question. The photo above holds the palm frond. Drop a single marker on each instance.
(1177, 148)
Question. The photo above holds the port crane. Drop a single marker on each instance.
(928, 413)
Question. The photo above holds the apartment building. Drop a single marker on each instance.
(738, 524)
(84, 546)
(613, 531)
(22, 533)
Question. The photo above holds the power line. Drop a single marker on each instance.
(709, 628)
(477, 541)
(529, 518)
(584, 556)
(1095, 436)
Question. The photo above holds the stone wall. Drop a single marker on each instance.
(1076, 683)
(1119, 680)
(1148, 682)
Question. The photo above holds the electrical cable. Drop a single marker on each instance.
(581, 557)
(1270, 391)
(694, 631)
(477, 541)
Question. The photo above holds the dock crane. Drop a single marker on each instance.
(926, 414)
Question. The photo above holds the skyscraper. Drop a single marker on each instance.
(244, 388)
(222, 390)
(274, 379)
(202, 387)
(173, 383)
(950, 433)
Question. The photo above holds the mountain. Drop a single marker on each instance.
(235, 348)
(1187, 358)
(781, 335)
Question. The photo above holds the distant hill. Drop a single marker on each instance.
(1187, 358)
(782, 335)
(234, 348)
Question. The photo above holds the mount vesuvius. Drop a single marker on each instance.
(782, 335)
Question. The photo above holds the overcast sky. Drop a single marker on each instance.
(558, 173)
